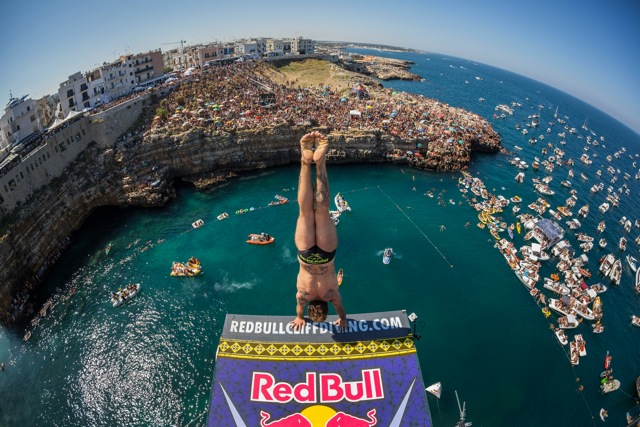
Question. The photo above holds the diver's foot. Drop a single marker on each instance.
(322, 145)
(306, 147)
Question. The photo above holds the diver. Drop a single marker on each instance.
(316, 238)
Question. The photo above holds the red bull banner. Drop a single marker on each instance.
(268, 374)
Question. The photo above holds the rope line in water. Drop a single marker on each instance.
(196, 418)
(417, 227)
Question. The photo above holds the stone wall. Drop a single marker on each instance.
(61, 146)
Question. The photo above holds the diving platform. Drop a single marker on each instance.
(268, 374)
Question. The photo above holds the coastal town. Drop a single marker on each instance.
(227, 92)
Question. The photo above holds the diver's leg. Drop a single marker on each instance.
(305, 236)
(326, 234)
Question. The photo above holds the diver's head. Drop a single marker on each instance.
(317, 310)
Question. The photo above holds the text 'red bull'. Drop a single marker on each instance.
(323, 388)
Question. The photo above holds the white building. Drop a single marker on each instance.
(251, 47)
(82, 91)
(20, 119)
(302, 46)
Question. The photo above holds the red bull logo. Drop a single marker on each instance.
(324, 388)
(319, 416)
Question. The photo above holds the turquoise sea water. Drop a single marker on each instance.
(151, 361)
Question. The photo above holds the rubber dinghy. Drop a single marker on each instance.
(386, 257)
(259, 239)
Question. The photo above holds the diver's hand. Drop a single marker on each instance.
(297, 323)
(342, 324)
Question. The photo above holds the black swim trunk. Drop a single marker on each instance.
(315, 255)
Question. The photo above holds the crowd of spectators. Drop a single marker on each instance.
(244, 96)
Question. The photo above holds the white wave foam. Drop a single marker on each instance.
(227, 286)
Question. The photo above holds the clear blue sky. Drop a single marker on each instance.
(588, 48)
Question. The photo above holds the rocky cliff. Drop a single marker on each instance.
(140, 172)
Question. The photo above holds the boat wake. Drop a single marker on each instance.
(232, 286)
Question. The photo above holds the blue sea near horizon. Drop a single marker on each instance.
(151, 361)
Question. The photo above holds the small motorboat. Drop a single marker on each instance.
(622, 245)
(197, 223)
(609, 386)
(633, 263)
(386, 257)
(124, 295)
(341, 204)
(222, 216)
(260, 239)
(635, 320)
(575, 356)
(435, 389)
(561, 336)
(581, 344)
(568, 322)
(603, 414)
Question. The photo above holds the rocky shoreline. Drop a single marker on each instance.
(386, 68)
(185, 137)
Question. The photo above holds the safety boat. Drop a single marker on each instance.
(341, 204)
(124, 295)
(280, 200)
(260, 239)
(188, 269)
(386, 257)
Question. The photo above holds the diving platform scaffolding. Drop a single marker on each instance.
(268, 374)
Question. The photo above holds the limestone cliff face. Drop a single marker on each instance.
(140, 172)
